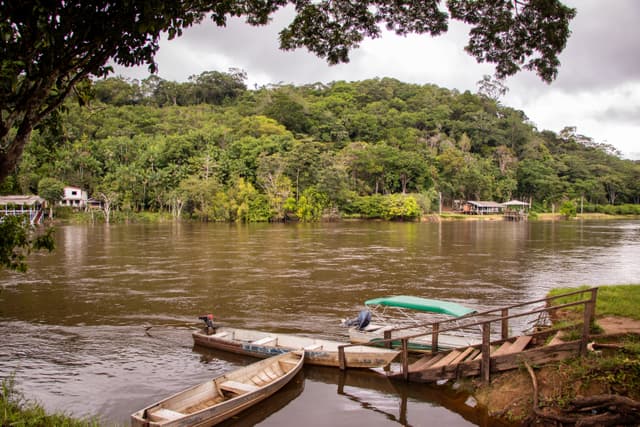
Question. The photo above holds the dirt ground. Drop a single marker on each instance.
(510, 395)
(619, 325)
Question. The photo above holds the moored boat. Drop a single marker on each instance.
(403, 316)
(216, 400)
(317, 351)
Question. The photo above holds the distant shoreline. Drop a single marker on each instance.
(540, 217)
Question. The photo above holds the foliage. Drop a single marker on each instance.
(311, 205)
(17, 240)
(391, 207)
(45, 56)
(568, 209)
(236, 161)
(15, 410)
(52, 190)
(623, 209)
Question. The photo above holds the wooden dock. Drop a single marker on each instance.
(31, 207)
(492, 356)
(511, 215)
(467, 362)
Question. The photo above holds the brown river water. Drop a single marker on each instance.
(72, 330)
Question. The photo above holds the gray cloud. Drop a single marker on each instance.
(604, 45)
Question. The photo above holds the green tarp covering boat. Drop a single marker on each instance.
(422, 304)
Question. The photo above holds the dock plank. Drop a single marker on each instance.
(463, 355)
(505, 348)
(446, 360)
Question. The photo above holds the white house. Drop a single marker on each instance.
(74, 197)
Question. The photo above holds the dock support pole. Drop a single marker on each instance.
(405, 359)
(485, 367)
(505, 323)
(434, 337)
(589, 313)
(341, 358)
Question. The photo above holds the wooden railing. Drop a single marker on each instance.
(504, 317)
(34, 214)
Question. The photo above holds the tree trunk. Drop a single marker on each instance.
(10, 157)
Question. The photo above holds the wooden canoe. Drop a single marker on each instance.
(216, 400)
(317, 351)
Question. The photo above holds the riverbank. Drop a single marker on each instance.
(16, 410)
(164, 217)
(606, 381)
(548, 216)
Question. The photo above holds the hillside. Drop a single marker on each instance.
(214, 150)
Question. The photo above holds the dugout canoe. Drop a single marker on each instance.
(216, 400)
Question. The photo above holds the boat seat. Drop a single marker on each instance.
(264, 341)
(164, 414)
(313, 347)
(221, 335)
(238, 387)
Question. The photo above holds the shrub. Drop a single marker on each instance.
(568, 209)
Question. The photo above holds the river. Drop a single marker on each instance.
(72, 326)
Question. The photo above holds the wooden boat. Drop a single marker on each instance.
(216, 400)
(317, 351)
(404, 315)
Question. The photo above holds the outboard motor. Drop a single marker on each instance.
(361, 322)
(208, 320)
(364, 317)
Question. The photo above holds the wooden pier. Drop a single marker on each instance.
(512, 215)
(492, 356)
(31, 207)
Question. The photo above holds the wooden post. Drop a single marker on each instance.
(485, 367)
(434, 337)
(589, 312)
(341, 358)
(505, 323)
(387, 337)
(405, 358)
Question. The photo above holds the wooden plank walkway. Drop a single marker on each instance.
(466, 362)
(500, 355)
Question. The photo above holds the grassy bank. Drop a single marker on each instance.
(610, 373)
(621, 301)
(15, 410)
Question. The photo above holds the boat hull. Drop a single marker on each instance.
(317, 352)
(206, 404)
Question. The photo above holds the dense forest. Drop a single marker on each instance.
(212, 149)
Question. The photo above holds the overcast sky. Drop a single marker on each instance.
(597, 89)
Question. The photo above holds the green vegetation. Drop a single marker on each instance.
(42, 64)
(15, 410)
(568, 209)
(601, 388)
(379, 149)
(18, 239)
(619, 300)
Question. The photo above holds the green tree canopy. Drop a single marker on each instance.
(51, 190)
(48, 47)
